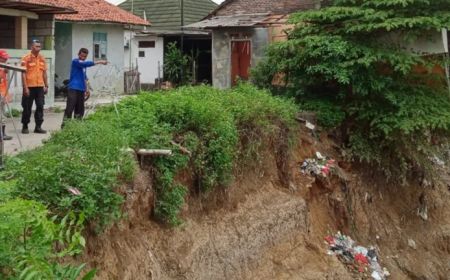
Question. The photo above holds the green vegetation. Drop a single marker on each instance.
(57, 109)
(215, 126)
(176, 65)
(14, 112)
(31, 242)
(352, 62)
(48, 194)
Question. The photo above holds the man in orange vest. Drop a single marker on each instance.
(4, 97)
(35, 86)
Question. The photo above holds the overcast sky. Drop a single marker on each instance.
(120, 1)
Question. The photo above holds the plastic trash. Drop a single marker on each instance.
(319, 156)
(359, 257)
(375, 275)
(310, 125)
(319, 166)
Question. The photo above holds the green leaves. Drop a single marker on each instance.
(28, 239)
(74, 176)
(354, 64)
(176, 65)
(210, 124)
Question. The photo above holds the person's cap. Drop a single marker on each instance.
(4, 54)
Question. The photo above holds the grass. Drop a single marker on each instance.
(78, 171)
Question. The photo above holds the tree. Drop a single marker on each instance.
(353, 59)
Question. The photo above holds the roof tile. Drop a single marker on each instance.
(92, 11)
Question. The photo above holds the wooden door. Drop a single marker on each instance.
(240, 60)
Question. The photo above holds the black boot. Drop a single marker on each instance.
(39, 130)
(25, 129)
(5, 137)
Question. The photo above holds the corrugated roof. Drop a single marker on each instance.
(234, 7)
(249, 20)
(163, 33)
(230, 21)
(96, 11)
(166, 14)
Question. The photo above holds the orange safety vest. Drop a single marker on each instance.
(35, 66)
(4, 85)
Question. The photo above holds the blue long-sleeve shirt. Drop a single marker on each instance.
(78, 75)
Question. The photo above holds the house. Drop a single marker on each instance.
(22, 21)
(242, 30)
(98, 26)
(146, 47)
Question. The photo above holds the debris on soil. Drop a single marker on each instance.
(74, 191)
(310, 125)
(359, 258)
(320, 166)
(412, 244)
(437, 161)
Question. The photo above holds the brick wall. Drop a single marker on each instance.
(42, 29)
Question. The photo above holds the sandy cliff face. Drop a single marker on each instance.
(261, 229)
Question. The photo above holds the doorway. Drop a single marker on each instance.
(240, 60)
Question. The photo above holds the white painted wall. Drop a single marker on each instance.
(131, 49)
(102, 77)
(431, 43)
(148, 65)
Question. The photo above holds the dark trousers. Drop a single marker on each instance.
(36, 95)
(75, 104)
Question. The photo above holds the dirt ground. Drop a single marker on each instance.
(259, 229)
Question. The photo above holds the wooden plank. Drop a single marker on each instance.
(18, 13)
(13, 67)
(154, 152)
(21, 26)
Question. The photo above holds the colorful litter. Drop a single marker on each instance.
(359, 258)
(319, 166)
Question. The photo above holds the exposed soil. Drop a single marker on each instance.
(258, 228)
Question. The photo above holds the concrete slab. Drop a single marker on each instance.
(52, 122)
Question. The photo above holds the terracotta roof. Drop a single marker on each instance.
(96, 11)
(37, 6)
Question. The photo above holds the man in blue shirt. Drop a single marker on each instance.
(78, 90)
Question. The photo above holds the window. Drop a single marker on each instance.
(141, 53)
(100, 45)
(146, 44)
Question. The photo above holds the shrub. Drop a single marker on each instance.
(350, 62)
(27, 240)
(80, 157)
(211, 124)
(75, 175)
(176, 65)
